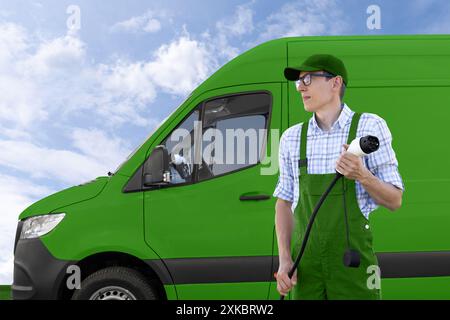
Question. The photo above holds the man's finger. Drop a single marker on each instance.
(349, 156)
(285, 282)
(345, 147)
(343, 160)
(342, 169)
(281, 290)
(294, 278)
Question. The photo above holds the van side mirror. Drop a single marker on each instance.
(156, 169)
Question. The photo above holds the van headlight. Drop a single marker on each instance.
(35, 227)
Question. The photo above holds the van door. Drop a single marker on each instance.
(213, 225)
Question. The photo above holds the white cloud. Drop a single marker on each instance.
(304, 18)
(178, 67)
(30, 76)
(149, 22)
(15, 195)
(239, 24)
(14, 42)
(20, 101)
(37, 4)
(127, 79)
(16, 134)
(7, 259)
(64, 54)
(438, 27)
(54, 78)
(61, 165)
(296, 18)
(98, 145)
(152, 25)
(229, 29)
(437, 22)
(41, 80)
(5, 13)
(418, 7)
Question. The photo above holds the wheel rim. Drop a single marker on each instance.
(112, 293)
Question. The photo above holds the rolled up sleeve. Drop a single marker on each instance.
(383, 163)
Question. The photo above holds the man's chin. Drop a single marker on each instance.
(308, 107)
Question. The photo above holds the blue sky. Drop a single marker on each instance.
(75, 103)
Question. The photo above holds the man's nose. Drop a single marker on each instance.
(301, 87)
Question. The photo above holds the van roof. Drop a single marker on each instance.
(266, 62)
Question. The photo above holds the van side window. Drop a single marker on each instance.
(180, 145)
(234, 132)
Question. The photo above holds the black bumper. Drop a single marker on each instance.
(37, 274)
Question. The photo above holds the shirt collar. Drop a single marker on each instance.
(340, 123)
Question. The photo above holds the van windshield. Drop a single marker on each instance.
(135, 150)
(151, 133)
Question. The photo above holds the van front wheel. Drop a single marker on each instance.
(115, 283)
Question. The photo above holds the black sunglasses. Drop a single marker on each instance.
(307, 78)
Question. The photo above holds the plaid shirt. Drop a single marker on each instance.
(323, 150)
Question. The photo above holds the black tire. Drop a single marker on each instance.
(116, 283)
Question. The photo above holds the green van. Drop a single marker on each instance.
(173, 224)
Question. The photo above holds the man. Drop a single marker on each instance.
(309, 155)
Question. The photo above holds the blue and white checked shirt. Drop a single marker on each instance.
(323, 150)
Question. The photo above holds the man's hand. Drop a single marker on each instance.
(284, 284)
(383, 193)
(351, 166)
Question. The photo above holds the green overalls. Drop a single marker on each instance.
(321, 273)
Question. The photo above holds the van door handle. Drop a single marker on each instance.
(254, 197)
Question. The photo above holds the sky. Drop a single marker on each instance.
(83, 83)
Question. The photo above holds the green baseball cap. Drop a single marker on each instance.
(316, 62)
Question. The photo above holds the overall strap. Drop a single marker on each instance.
(303, 162)
(353, 127)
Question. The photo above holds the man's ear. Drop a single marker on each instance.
(337, 82)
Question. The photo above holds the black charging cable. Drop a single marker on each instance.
(310, 224)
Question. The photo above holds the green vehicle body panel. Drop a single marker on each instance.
(403, 79)
(65, 197)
